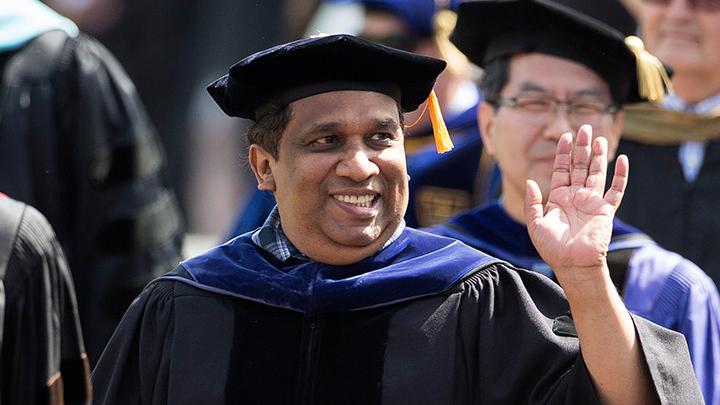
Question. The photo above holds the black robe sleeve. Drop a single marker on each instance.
(135, 364)
(526, 345)
(43, 359)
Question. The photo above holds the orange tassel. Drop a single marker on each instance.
(443, 143)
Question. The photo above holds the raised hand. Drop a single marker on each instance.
(572, 231)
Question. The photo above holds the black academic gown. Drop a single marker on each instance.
(76, 143)
(680, 215)
(425, 321)
(43, 359)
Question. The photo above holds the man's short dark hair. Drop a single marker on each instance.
(495, 77)
(267, 131)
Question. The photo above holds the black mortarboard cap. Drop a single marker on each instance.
(489, 29)
(610, 12)
(288, 72)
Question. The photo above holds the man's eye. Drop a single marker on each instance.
(326, 140)
(587, 108)
(535, 104)
(382, 137)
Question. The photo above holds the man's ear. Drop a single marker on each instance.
(614, 137)
(260, 163)
(486, 121)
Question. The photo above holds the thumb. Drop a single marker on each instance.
(533, 202)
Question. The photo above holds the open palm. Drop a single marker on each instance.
(573, 229)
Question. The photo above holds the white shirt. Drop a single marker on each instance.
(691, 153)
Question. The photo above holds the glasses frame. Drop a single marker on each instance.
(514, 103)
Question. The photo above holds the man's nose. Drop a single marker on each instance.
(357, 165)
(559, 123)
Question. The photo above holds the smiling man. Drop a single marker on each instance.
(334, 301)
(338, 191)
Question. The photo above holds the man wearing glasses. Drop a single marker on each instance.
(546, 76)
(678, 142)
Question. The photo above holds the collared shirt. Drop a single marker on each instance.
(691, 153)
(271, 238)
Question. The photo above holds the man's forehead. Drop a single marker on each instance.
(336, 108)
(333, 125)
(542, 72)
(589, 89)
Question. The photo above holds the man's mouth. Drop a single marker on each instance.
(363, 200)
(681, 35)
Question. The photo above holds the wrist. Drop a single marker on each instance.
(587, 288)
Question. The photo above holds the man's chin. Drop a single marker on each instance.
(356, 239)
(359, 236)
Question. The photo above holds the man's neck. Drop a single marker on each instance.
(514, 204)
(696, 88)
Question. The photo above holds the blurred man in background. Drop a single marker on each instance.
(76, 143)
(42, 356)
(675, 148)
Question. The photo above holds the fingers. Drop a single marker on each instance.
(581, 156)
(615, 194)
(563, 162)
(598, 166)
(533, 202)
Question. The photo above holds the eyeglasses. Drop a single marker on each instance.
(539, 108)
(701, 5)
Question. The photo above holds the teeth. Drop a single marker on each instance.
(359, 200)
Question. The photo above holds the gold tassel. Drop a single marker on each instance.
(443, 25)
(652, 77)
(443, 143)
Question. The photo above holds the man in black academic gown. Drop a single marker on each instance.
(76, 143)
(675, 147)
(42, 356)
(334, 301)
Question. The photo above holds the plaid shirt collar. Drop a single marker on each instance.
(271, 238)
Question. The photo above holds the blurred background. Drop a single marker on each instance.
(172, 49)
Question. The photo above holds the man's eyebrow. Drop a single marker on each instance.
(589, 91)
(335, 126)
(322, 127)
(592, 91)
(531, 86)
(387, 123)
